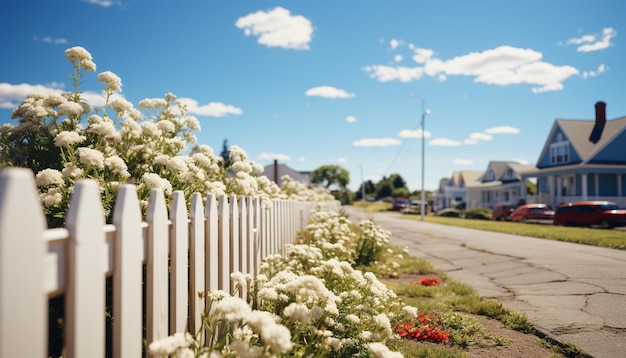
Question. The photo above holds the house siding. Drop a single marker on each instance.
(612, 153)
(608, 184)
(546, 162)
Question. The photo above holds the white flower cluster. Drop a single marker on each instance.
(119, 144)
(305, 306)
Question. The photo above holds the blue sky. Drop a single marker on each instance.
(313, 83)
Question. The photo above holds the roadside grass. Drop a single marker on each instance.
(610, 238)
(615, 239)
(451, 302)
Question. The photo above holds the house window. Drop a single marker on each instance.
(559, 152)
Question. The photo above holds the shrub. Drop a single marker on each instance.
(478, 213)
(449, 213)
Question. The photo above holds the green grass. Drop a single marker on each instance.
(611, 238)
(453, 303)
(615, 239)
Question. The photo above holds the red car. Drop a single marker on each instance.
(590, 213)
(502, 211)
(532, 212)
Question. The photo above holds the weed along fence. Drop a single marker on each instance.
(182, 251)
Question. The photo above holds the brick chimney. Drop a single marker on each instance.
(600, 113)
(598, 127)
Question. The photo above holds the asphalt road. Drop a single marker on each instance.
(573, 293)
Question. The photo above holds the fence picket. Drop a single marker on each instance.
(127, 274)
(157, 266)
(223, 239)
(233, 238)
(229, 234)
(212, 255)
(85, 296)
(179, 262)
(243, 241)
(23, 302)
(196, 262)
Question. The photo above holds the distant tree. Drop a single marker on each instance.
(397, 181)
(225, 154)
(329, 175)
(531, 188)
(400, 192)
(383, 188)
(370, 188)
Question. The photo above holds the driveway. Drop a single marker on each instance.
(574, 293)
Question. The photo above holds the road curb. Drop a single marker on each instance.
(545, 335)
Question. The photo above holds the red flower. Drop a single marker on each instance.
(425, 281)
(427, 330)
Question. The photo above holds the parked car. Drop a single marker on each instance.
(590, 213)
(398, 204)
(532, 213)
(502, 211)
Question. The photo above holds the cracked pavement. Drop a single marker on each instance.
(573, 293)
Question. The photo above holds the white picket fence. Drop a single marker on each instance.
(226, 235)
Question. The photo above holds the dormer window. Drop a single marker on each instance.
(490, 176)
(559, 151)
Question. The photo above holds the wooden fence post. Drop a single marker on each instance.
(212, 254)
(85, 295)
(179, 263)
(157, 266)
(197, 258)
(127, 274)
(23, 300)
(223, 239)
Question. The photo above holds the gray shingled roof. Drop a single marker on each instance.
(578, 131)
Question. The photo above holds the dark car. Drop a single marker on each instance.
(502, 211)
(532, 213)
(399, 204)
(590, 213)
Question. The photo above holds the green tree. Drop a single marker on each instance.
(400, 192)
(531, 188)
(397, 181)
(331, 175)
(383, 188)
(225, 154)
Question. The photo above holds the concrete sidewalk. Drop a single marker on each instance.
(574, 293)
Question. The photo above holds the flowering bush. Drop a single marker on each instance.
(63, 138)
(427, 329)
(319, 306)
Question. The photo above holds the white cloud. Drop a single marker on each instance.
(103, 3)
(397, 58)
(301, 159)
(389, 73)
(394, 44)
(502, 66)
(212, 109)
(470, 141)
(350, 119)
(522, 161)
(51, 40)
(413, 133)
(589, 43)
(278, 28)
(502, 130)
(480, 136)
(328, 92)
(342, 160)
(599, 70)
(272, 156)
(11, 95)
(460, 161)
(444, 142)
(376, 142)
